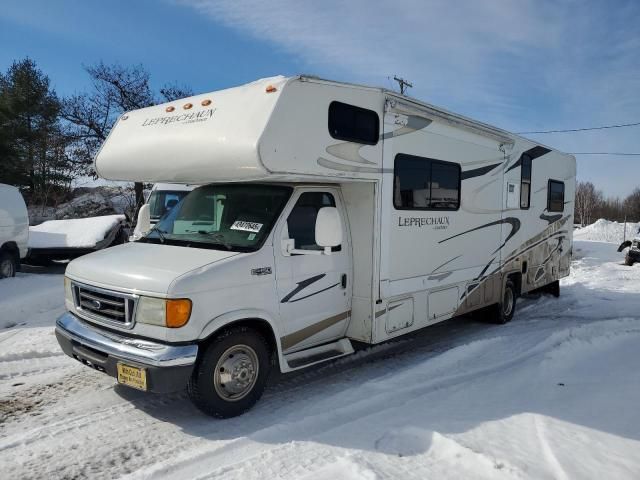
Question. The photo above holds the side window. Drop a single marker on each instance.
(353, 124)
(525, 182)
(555, 196)
(302, 219)
(425, 184)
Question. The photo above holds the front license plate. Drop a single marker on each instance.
(132, 376)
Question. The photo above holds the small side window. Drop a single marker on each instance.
(525, 182)
(353, 124)
(555, 196)
(302, 219)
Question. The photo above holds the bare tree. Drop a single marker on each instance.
(116, 89)
(632, 205)
(587, 201)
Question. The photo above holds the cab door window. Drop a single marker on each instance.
(301, 223)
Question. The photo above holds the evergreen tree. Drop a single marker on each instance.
(32, 145)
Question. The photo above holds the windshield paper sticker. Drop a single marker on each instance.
(246, 226)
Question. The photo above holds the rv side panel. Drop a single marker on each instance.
(441, 210)
(297, 142)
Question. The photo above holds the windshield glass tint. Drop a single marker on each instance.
(162, 201)
(231, 217)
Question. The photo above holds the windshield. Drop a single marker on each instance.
(228, 217)
(162, 201)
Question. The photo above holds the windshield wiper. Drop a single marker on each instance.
(217, 237)
(160, 233)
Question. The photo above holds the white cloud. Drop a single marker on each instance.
(524, 65)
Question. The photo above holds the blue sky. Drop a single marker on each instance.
(521, 65)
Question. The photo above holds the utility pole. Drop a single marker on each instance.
(403, 84)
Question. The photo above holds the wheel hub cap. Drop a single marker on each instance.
(236, 372)
(508, 301)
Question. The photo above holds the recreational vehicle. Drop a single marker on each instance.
(329, 216)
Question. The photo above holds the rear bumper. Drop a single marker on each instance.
(168, 366)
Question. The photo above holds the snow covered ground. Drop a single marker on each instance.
(554, 394)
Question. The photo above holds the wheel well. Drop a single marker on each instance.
(11, 247)
(257, 324)
(516, 278)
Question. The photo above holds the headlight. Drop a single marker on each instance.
(68, 293)
(172, 313)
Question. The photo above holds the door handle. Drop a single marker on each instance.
(344, 280)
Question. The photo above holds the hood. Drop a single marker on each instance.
(141, 267)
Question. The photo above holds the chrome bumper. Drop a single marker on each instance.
(139, 351)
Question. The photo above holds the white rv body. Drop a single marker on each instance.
(14, 230)
(408, 257)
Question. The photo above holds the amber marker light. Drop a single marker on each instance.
(178, 312)
(271, 89)
(170, 109)
(187, 106)
(206, 103)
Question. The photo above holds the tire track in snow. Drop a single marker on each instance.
(373, 403)
(307, 385)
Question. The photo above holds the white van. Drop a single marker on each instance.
(14, 230)
(329, 214)
(165, 196)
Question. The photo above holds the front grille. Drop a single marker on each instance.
(104, 306)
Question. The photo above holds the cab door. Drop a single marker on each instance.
(314, 289)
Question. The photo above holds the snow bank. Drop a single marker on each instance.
(606, 231)
(78, 233)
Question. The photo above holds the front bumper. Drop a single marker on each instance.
(168, 366)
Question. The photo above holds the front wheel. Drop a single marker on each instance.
(232, 374)
(8, 265)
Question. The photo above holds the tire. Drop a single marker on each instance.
(502, 312)
(8, 264)
(231, 375)
(628, 261)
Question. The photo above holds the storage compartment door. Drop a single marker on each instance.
(443, 302)
(399, 315)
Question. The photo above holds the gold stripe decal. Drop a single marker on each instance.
(294, 338)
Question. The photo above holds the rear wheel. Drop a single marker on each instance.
(8, 265)
(628, 261)
(502, 312)
(232, 373)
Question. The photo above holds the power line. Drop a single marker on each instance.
(583, 129)
(624, 154)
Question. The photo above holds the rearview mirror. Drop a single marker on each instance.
(143, 225)
(328, 228)
(328, 234)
